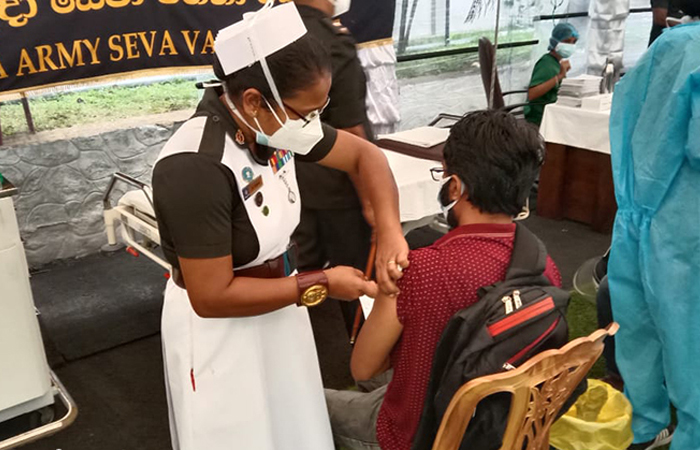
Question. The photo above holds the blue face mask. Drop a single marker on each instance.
(565, 50)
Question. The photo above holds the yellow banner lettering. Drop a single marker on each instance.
(93, 50)
(190, 41)
(87, 5)
(25, 62)
(18, 19)
(118, 3)
(3, 74)
(115, 45)
(132, 48)
(44, 53)
(168, 44)
(63, 6)
(148, 45)
(70, 58)
(208, 43)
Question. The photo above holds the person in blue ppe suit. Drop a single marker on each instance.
(654, 269)
(549, 71)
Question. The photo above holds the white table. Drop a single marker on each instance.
(576, 179)
(576, 127)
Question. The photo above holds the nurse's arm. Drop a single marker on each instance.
(367, 166)
(541, 89)
(215, 292)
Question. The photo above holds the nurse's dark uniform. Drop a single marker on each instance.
(235, 383)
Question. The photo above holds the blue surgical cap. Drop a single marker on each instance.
(562, 32)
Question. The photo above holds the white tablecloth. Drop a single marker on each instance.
(576, 127)
(417, 189)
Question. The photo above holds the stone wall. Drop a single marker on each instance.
(62, 177)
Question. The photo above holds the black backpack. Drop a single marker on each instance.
(513, 320)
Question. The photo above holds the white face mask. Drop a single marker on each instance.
(341, 7)
(672, 21)
(294, 135)
(565, 49)
(446, 208)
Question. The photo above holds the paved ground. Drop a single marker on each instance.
(423, 98)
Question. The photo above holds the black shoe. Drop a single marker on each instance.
(661, 439)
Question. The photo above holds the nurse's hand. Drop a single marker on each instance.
(392, 259)
(348, 283)
(565, 67)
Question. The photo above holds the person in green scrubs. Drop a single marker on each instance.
(549, 71)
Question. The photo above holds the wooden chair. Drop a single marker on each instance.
(539, 389)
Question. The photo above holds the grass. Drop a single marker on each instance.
(582, 318)
(62, 110)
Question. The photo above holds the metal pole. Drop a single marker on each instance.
(410, 21)
(28, 113)
(494, 69)
(433, 17)
(403, 38)
(447, 22)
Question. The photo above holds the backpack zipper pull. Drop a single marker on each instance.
(517, 301)
(508, 302)
(508, 366)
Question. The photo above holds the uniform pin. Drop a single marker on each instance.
(266, 211)
(247, 174)
(258, 199)
(240, 139)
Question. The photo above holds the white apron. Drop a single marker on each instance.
(245, 383)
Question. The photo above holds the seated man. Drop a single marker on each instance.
(490, 162)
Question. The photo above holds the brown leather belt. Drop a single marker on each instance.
(274, 268)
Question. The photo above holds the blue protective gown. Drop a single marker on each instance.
(654, 271)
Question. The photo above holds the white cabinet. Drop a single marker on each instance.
(25, 382)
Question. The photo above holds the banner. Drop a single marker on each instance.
(45, 43)
(370, 20)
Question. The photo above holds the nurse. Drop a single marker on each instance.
(240, 362)
(549, 70)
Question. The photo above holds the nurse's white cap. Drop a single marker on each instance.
(257, 36)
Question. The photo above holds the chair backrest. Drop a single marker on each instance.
(487, 54)
(539, 389)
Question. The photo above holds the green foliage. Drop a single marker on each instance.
(63, 110)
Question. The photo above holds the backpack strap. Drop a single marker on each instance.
(529, 255)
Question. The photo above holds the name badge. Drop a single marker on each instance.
(252, 187)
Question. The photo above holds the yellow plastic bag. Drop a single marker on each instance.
(601, 419)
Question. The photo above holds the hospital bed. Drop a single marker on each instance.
(135, 217)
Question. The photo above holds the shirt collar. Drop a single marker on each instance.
(485, 229)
